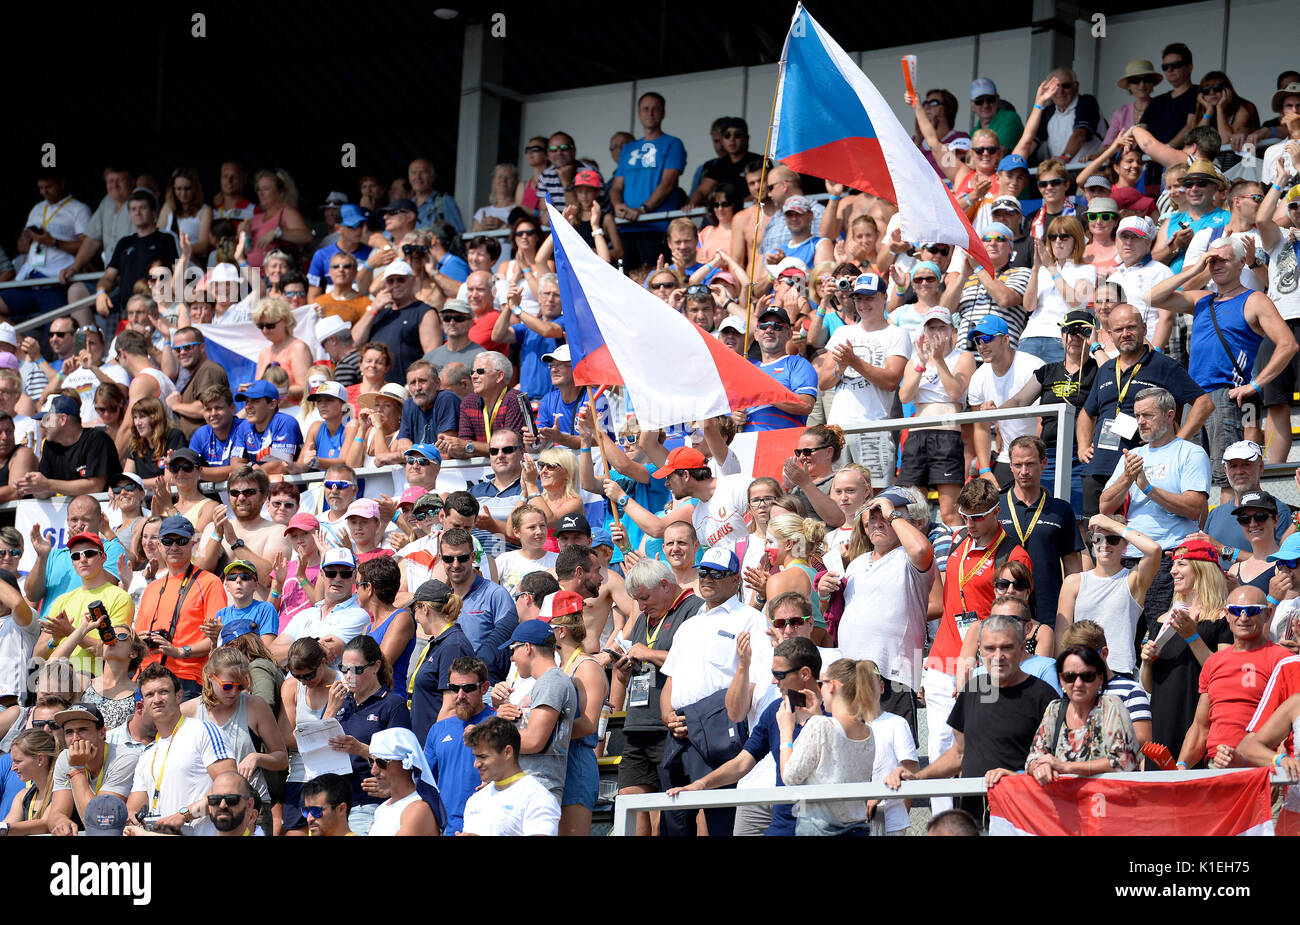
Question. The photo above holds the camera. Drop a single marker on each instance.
(165, 634)
(844, 284)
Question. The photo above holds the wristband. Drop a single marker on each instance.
(274, 595)
(919, 368)
(1258, 390)
(1278, 188)
(1038, 105)
(1192, 638)
(1272, 600)
(1277, 760)
(598, 232)
(833, 199)
(787, 745)
(585, 449)
(1181, 764)
(900, 290)
(1146, 491)
(986, 469)
(1055, 277)
(358, 439)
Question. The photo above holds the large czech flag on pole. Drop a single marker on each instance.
(831, 122)
(620, 334)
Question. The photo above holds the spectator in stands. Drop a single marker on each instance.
(60, 223)
(557, 179)
(729, 166)
(992, 113)
(336, 264)
(110, 223)
(1110, 594)
(34, 753)
(152, 439)
(190, 347)
(399, 320)
(1283, 265)
(432, 206)
(135, 253)
(1001, 295)
(1140, 78)
(1129, 691)
(343, 299)
(491, 406)
(1004, 374)
(185, 212)
(531, 808)
(450, 759)
(335, 337)
(501, 199)
(1167, 114)
(1060, 281)
(53, 574)
(1218, 104)
(71, 610)
(1202, 183)
(1087, 733)
(436, 608)
(326, 800)
(457, 348)
(74, 460)
(222, 437)
(88, 767)
(230, 202)
(305, 696)
(646, 181)
(526, 190)
(16, 460)
(939, 108)
(428, 412)
(489, 609)
(273, 438)
(597, 228)
(537, 337)
(276, 220)
(1073, 127)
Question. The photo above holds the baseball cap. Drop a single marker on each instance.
(982, 86)
(991, 324)
(338, 555)
(1198, 551)
(61, 404)
(587, 178)
(391, 391)
(259, 389)
(732, 323)
(938, 313)
(459, 306)
(1135, 223)
(412, 494)
(997, 228)
(790, 263)
(400, 205)
(868, 284)
(900, 497)
(86, 537)
(1126, 197)
(352, 216)
(427, 450)
(797, 204)
(573, 523)
(432, 592)
(601, 537)
(1078, 316)
(363, 507)
(398, 267)
(683, 457)
(236, 628)
(1243, 449)
(1096, 181)
(534, 632)
(558, 604)
(8, 334)
(106, 815)
(428, 502)
(224, 273)
(329, 389)
(330, 325)
(1006, 204)
(302, 521)
(1290, 549)
(1292, 194)
(176, 525)
(240, 565)
(128, 476)
(1256, 499)
(335, 198)
(1102, 204)
(721, 558)
(775, 310)
(8, 360)
(1013, 162)
(80, 711)
(185, 454)
(560, 354)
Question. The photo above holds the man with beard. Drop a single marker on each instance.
(450, 759)
(248, 535)
(231, 808)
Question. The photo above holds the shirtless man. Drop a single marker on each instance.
(742, 226)
(602, 590)
(249, 535)
(681, 549)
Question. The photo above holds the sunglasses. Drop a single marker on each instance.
(538, 149)
(1172, 65)
(665, 285)
(333, 573)
(723, 204)
(793, 621)
(1149, 80)
(453, 317)
(1060, 236)
(805, 452)
(1051, 181)
(244, 492)
(554, 148)
(482, 371)
(780, 675)
(229, 686)
(357, 670)
(462, 688)
(930, 104)
(1006, 584)
(984, 100)
(183, 465)
(286, 504)
(548, 466)
(422, 516)
(295, 294)
(337, 485)
(1087, 677)
(924, 279)
(230, 799)
(1253, 197)
(267, 325)
(994, 238)
(503, 450)
(313, 812)
(940, 249)
(11, 553)
(733, 135)
(418, 461)
(304, 678)
(1107, 538)
(1258, 517)
(713, 574)
(458, 559)
(380, 763)
(982, 339)
(44, 724)
(525, 231)
(1066, 86)
(184, 348)
(1247, 610)
(1213, 88)
(1101, 216)
(773, 326)
(985, 150)
(988, 513)
(84, 554)
(1197, 184)
(240, 576)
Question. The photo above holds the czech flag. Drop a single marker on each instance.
(831, 122)
(620, 334)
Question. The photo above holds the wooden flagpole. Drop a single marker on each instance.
(762, 198)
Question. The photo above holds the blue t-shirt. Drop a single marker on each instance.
(797, 375)
(282, 439)
(1213, 219)
(452, 764)
(534, 376)
(766, 739)
(420, 426)
(318, 272)
(1176, 467)
(214, 450)
(61, 577)
(641, 166)
(453, 267)
(653, 496)
(554, 411)
(265, 617)
(1207, 362)
(12, 783)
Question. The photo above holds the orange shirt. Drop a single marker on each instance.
(204, 596)
(978, 567)
(350, 310)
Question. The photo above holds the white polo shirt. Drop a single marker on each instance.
(178, 766)
(344, 620)
(66, 220)
(1138, 281)
(702, 659)
(526, 807)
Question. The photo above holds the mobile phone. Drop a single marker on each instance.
(797, 699)
(79, 340)
(35, 229)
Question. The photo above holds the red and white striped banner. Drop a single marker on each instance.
(1223, 804)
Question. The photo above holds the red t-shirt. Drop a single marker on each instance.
(1235, 682)
(977, 567)
(480, 332)
(1282, 684)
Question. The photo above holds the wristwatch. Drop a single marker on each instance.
(469, 448)
(238, 543)
(622, 502)
(516, 311)
(187, 651)
(4, 828)
(894, 515)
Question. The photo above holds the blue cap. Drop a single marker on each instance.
(427, 450)
(236, 628)
(991, 324)
(868, 284)
(176, 525)
(1013, 162)
(61, 404)
(106, 815)
(1290, 549)
(601, 537)
(998, 228)
(352, 216)
(259, 389)
(535, 632)
(721, 558)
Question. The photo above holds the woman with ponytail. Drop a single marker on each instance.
(34, 753)
(582, 780)
(792, 542)
(809, 475)
(834, 749)
(435, 607)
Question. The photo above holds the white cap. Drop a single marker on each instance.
(8, 334)
(938, 313)
(732, 323)
(224, 273)
(329, 389)
(338, 555)
(559, 355)
(330, 325)
(1248, 450)
(1136, 224)
(398, 267)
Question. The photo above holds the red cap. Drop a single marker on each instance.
(87, 537)
(560, 603)
(684, 457)
(1197, 550)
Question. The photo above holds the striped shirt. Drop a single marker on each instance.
(1133, 697)
(977, 303)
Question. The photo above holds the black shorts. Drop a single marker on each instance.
(643, 753)
(1093, 486)
(1280, 390)
(932, 457)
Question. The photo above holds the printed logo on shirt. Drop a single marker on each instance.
(644, 156)
(1157, 472)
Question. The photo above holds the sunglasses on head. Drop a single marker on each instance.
(1006, 584)
(985, 150)
(984, 100)
(1051, 181)
(1247, 610)
(714, 574)
(245, 492)
(804, 452)
(460, 559)
(333, 573)
(357, 670)
(337, 485)
(791, 621)
(1101, 216)
(462, 688)
(420, 461)
(173, 540)
(1087, 677)
(1259, 517)
(503, 450)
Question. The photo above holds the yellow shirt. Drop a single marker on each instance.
(74, 604)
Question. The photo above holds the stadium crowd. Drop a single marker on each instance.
(453, 658)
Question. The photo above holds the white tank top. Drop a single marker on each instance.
(165, 385)
(1109, 603)
(388, 816)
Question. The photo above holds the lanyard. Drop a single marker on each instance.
(46, 219)
(410, 680)
(158, 778)
(1015, 519)
(489, 418)
(1124, 391)
(651, 637)
(964, 577)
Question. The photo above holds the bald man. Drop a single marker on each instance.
(235, 814)
(782, 183)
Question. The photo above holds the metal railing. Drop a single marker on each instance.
(627, 805)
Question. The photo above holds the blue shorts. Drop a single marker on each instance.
(582, 778)
(291, 816)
